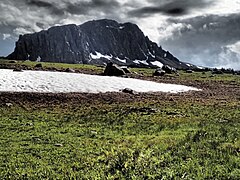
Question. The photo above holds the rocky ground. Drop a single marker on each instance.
(211, 91)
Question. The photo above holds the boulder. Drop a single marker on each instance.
(128, 91)
(189, 71)
(217, 71)
(12, 62)
(168, 69)
(126, 70)
(159, 72)
(17, 70)
(38, 65)
(70, 70)
(52, 69)
(113, 70)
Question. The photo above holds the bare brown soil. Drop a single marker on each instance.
(212, 91)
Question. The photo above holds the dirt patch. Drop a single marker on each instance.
(210, 93)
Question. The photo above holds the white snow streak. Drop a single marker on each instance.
(144, 62)
(56, 82)
(122, 60)
(151, 54)
(136, 61)
(141, 62)
(98, 55)
(157, 63)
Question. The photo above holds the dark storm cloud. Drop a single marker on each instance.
(174, 7)
(33, 15)
(84, 7)
(203, 39)
(51, 6)
(27, 16)
(212, 26)
(74, 7)
(39, 3)
(45, 4)
(145, 11)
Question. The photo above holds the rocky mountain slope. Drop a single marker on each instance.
(94, 42)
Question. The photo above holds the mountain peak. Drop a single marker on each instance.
(94, 42)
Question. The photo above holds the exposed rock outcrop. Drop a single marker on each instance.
(94, 42)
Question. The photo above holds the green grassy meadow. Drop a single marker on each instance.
(145, 139)
(49, 65)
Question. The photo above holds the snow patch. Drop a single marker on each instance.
(121, 60)
(157, 63)
(136, 61)
(56, 82)
(141, 62)
(98, 55)
(144, 62)
(151, 54)
(200, 67)
(38, 59)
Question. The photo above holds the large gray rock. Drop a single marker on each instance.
(168, 69)
(113, 70)
(94, 42)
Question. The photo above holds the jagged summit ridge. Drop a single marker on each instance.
(94, 42)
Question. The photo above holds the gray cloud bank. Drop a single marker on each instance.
(27, 16)
(74, 7)
(174, 7)
(24, 16)
(208, 40)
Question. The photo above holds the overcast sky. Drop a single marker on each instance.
(202, 32)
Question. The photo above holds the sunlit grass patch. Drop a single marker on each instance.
(141, 140)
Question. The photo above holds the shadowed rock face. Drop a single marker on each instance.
(94, 42)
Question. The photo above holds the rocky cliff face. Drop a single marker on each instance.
(94, 42)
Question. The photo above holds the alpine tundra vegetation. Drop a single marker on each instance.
(190, 135)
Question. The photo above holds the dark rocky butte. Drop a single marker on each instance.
(94, 42)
